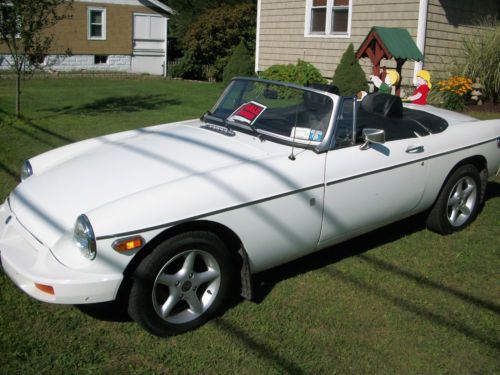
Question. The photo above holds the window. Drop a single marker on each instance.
(344, 124)
(96, 21)
(330, 18)
(100, 59)
(149, 27)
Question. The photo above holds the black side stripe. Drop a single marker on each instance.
(407, 163)
(211, 213)
(216, 212)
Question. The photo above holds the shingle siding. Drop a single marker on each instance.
(282, 39)
(447, 24)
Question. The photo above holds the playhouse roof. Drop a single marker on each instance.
(394, 42)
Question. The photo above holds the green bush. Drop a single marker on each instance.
(241, 63)
(481, 57)
(302, 73)
(186, 68)
(349, 77)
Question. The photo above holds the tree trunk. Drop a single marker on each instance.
(18, 94)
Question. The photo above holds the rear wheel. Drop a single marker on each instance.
(458, 203)
(183, 283)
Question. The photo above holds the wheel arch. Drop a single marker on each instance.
(481, 164)
(234, 244)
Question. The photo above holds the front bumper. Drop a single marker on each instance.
(28, 262)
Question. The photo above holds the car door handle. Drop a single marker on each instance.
(415, 149)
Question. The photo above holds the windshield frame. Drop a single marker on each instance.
(318, 146)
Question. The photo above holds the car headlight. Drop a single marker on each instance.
(84, 237)
(26, 170)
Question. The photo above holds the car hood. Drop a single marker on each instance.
(49, 203)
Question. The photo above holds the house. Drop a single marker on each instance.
(110, 35)
(319, 31)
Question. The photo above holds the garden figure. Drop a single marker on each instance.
(391, 79)
(423, 87)
(476, 92)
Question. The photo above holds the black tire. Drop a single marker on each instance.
(458, 202)
(181, 284)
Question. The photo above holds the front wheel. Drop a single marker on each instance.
(458, 203)
(181, 284)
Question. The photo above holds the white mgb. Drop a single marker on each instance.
(176, 217)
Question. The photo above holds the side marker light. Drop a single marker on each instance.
(128, 244)
(45, 288)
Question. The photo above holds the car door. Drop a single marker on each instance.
(369, 188)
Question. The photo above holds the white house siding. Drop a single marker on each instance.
(447, 24)
(282, 39)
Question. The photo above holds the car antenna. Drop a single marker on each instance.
(292, 155)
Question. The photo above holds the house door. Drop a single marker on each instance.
(149, 43)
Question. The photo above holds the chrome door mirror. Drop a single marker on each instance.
(376, 136)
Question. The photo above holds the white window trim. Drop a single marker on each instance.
(327, 34)
(103, 10)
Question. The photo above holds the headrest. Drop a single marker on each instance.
(383, 104)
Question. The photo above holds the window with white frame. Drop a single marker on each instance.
(96, 23)
(330, 18)
(149, 26)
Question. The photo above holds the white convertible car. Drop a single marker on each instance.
(176, 217)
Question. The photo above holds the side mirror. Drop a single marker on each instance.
(376, 136)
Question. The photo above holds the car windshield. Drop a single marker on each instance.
(281, 111)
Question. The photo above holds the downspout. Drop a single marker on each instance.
(421, 31)
(257, 38)
(166, 46)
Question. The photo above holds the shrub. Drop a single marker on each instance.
(241, 63)
(451, 93)
(302, 73)
(186, 68)
(481, 57)
(349, 77)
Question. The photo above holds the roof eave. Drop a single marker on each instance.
(162, 6)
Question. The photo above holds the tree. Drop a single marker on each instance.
(24, 29)
(188, 10)
(213, 36)
(349, 77)
(241, 63)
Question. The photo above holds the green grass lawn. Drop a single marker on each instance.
(401, 300)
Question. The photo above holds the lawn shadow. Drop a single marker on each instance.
(113, 311)
(117, 104)
(9, 171)
(492, 190)
(265, 281)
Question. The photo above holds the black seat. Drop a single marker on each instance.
(382, 104)
(385, 112)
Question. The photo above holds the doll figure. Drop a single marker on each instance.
(391, 79)
(423, 86)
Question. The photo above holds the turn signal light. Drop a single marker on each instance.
(128, 244)
(45, 288)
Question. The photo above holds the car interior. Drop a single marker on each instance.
(386, 112)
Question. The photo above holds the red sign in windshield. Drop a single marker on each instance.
(247, 113)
